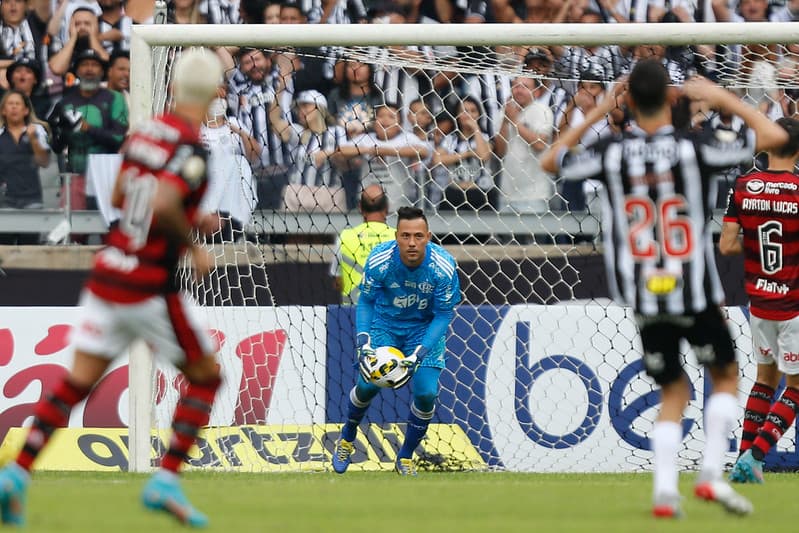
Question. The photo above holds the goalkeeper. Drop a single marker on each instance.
(409, 290)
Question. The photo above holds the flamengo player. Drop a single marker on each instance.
(409, 291)
(765, 205)
(132, 291)
(660, 259)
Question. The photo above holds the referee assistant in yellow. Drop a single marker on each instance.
(354, 244)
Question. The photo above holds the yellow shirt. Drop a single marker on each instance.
(354, 247)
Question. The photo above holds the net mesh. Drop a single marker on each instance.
(554, 381)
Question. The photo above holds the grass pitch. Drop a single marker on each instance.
(384, 503)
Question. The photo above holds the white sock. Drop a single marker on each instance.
(666, 441)
(720, 418)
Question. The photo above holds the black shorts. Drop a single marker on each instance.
(706, 331)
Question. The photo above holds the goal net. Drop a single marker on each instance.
(544, 373)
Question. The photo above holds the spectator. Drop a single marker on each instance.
(89, 119)
(443, 125)
(142, 11)
(492, 90)
(272, 12)
(526, 132)
(466, 153)
(606, 61)
(115, 26)
(421, 121)
(353, 103)
(538, 61)
(252, 11)
(355, 99)
(185, 12)
(431, 85)
(16, 39)
(39, 14)
(679, 67)
(536, 12)
(84, 34)
(231, 190)
(23, 149)
(250, 88)
(308, 68)
(24, 75)
(590, 91)
(394, 152)
(119, 74)
(402, 85)
(314, 176)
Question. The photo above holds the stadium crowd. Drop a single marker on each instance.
(306, 129)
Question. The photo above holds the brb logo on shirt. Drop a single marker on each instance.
(404, 302)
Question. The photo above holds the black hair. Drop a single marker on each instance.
(291, 4)
(344, 86)
(253, 10)
(791, 125)
(82, 8)
(410, 213)
(117, 54)
(373, 204)
(648, 86)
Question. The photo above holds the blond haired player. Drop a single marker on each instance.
(132, 292)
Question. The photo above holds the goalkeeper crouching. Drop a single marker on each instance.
(409, 291)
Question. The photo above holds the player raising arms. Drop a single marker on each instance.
(409, 291)
(660, 259)
(765, 204)
(132, 291)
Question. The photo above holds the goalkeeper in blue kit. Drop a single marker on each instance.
(409, 291)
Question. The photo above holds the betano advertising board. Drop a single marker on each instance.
(527, 388)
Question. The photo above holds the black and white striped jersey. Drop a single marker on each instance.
(303, 146)
(658, 247)
(125, 26)
(221, 11)
(248, 102)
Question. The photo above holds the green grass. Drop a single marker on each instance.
(61, 502)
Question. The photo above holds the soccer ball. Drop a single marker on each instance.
(384, 369)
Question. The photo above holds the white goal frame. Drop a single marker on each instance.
(146, 37)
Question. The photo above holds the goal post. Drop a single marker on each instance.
(546, 374)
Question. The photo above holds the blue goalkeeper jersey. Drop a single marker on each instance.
(405, 299)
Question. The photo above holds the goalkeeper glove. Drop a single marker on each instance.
(415, 359)
(411, 362)
(364, 351)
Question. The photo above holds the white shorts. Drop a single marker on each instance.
(776, 341)
(171, 325)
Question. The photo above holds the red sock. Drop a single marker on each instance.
(757, 407)
(778, 420)
(50, 414)
(192, 413)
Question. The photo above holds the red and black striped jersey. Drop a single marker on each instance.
(140, 261)
(766, 205)
(658, 247)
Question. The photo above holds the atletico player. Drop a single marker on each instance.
(659, 256)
